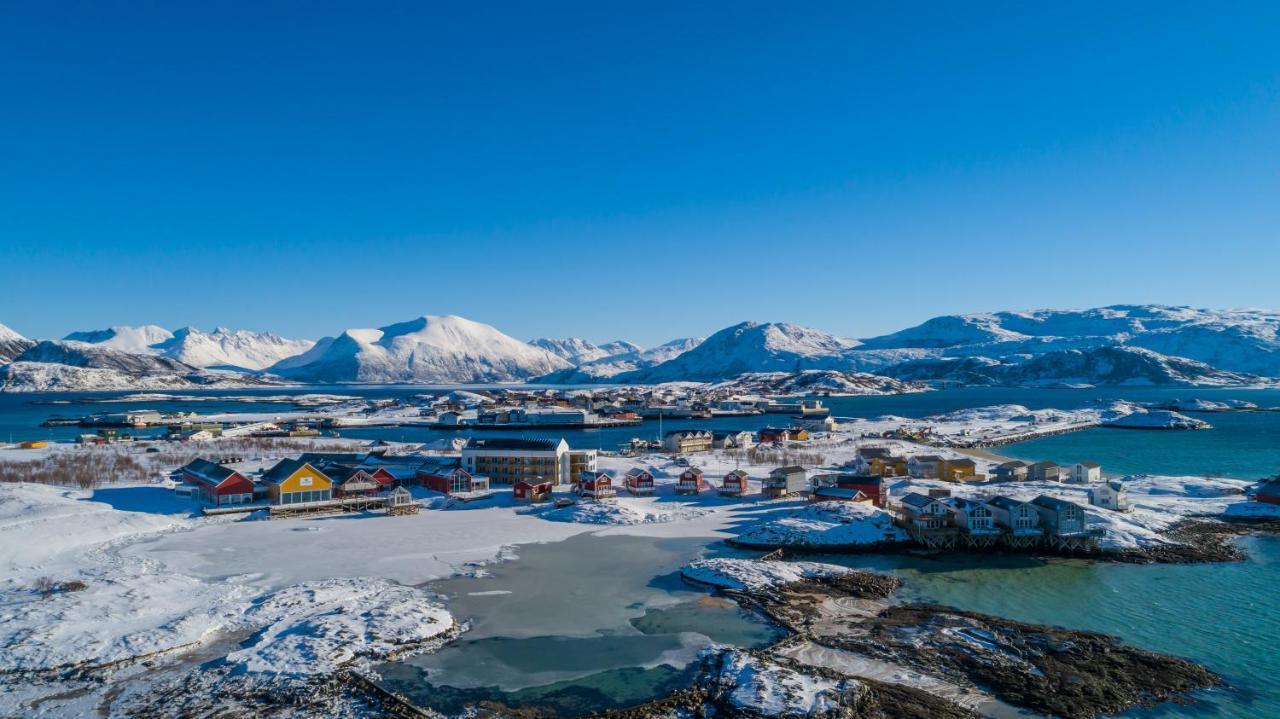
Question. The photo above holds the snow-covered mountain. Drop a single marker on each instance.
(430, 349)
(815, 381)
(750, 347)
(82, 366)
(1234, 340)
(96, 356)
(1103, 365)
(627, 361)
(573, 350)
(12, 344)
(124, 337)
(222, 348)
(239, 349)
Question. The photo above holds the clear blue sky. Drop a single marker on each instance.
(646, 172)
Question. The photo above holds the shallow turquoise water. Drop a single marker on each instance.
(1220, 615)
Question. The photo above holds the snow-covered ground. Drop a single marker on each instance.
(756, 576)
(768, 688)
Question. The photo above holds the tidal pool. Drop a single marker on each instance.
(581, 625)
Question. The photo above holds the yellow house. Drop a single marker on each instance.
(959, 470)
(799, 434)
(292, 482)
(888, 466)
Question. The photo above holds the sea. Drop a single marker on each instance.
(598, 622)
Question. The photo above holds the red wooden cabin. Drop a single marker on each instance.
(691, 481)
(596, 485)
(734, 484)
(527, 491)
(872, 485)
(217, 484)
(638, 482)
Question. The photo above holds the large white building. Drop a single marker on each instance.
(507, 460)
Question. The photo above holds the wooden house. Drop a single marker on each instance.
(292, 481)
(873, 486)
(596, 485)
(975, 521)
(638, 482)
(531, 490)
(1111, 495)
(925, 466)
(691, 481)
(451, 480)
(830, 493)
(775, 434)
(1011, 471)
(684, 441)
(357, 481)
(785, 481)
(1045, 472)
(1019, 520)
(217, 484)
(1063, 522)
(1086, 473)
(928, 521)
(734, 484)
(960, 470)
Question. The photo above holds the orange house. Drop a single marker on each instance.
(292, 482)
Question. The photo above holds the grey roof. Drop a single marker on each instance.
(836, 492)
(210, 472)
(1004, 502)
(915, 499)
(1012, 464)
(1087, 463)
(1053, 503)
(737, 473)
(1047, 464)
(963, 503)
(963, 460)
(284, 468)
(860, 478)
(791, 469)
(318, 458)
(688, 433)
(927, 458)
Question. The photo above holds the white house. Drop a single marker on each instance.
(1086, 472)
(1110, 495)
(925, 466)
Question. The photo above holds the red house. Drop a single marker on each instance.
(217, 484)
(872, 485)
(774, 434)
(356, 481)
(638, 482)
(452, 481)
(691, 482)
(526, 491)
(596, 485)
(1268, 492)
(734, 484)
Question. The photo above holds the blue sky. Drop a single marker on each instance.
(645, 171)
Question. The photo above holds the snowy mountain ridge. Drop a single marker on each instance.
(224, 348)
(429, 349)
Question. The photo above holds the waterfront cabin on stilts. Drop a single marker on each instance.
(1064, 525)
(1019, 520)
(928, 521)
(974, 520)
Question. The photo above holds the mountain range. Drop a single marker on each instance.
(1117, 345)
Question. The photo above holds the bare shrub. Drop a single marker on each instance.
(45, 587)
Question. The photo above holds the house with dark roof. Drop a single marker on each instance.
(1012, 471)
(1045, 472)
(785, 481)
(217, 484)
(1059, 517)
(292, 481)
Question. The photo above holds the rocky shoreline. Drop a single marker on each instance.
(1048, 670)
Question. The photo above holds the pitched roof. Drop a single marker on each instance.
(915, 499)
(284, 469)
(1012, 464)
(1053, 503)
(1004, 502)
(927, 458)
(208, 472)
(736, 473)
(1088, 464)
(837, 492)
(791, 469)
